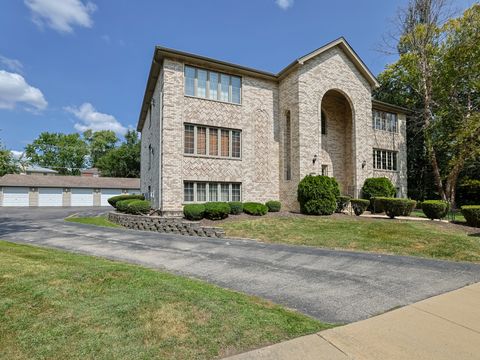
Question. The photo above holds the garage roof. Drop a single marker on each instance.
(69, 181)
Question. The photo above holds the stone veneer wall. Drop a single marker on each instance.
(257, 170)
(164, 225)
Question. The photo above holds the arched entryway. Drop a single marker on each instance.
(336, 142)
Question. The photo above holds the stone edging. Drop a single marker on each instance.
(164, 225)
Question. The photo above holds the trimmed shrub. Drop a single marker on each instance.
(359, 205)
(378, 187)
(320, 192)
(472, 215)
(435, 209)
(194, 211)
(236, 207)
(412, 204)
(122, 205)
(323, 206)
(377, 204)
(253, 208)
(114, 199)
(273, 206)
(398, 207)
(342, 203)
(217, 210)
(138, 207)
(468, 192)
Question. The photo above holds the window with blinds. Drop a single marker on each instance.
(211, 141)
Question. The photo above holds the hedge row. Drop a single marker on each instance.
(391, 206)
(472, 214)
(220, 210)
(130, 204)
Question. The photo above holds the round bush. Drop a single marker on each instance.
(138, 207)
(323, 206)
(114, 199)
(435, 209)
(377, 187)
(253, 208)
(472, 215)
(397, 206)
(217, 210)
(194, 211)
(359, 205)
(342, 203)
(122, 205)
(468, 192)
(236, 207)
(318, 187)
(273, 206)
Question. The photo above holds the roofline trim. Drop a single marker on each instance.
(161, 52)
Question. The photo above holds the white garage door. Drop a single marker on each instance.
(108, 193)
(15, 196)
(50, 196)
(82, 197)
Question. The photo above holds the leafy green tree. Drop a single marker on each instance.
(123, 161)
(99, 143)
(437, 76)
(8, 165)
(66, 153)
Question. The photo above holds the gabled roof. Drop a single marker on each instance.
(69, 181)
(161, 52)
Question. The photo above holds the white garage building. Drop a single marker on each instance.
(39, 190)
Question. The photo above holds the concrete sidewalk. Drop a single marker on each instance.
(442, 327)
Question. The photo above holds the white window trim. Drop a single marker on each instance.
(207, 191)
(374, 121)
(207, 90)
(219, 141)
(379, 153)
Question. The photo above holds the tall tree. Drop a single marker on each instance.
(65, 153)
(123, 161)
(8, 165)
(99, 143)
(437, 77)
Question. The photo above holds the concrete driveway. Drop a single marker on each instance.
(333, 286)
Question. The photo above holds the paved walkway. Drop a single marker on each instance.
(442, 327)
(332, 286)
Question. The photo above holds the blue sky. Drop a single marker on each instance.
(69, 65)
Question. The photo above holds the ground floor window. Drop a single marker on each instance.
(385, 159)
(211, 191)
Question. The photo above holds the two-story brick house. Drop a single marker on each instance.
(216, 131)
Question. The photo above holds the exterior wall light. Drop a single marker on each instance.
(364, 163)
(314, 160)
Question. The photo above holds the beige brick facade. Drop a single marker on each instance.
(333, 81)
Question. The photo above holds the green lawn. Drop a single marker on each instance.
(97, 220)
(57, 305)
(418, 238)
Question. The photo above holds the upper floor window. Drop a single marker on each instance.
(212, 85)
(383, 120)
(384, 159)
(203, 140)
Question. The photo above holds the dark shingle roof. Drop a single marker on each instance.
(69, 181)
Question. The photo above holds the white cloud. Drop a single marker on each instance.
(11, 64)
(61, 15)
(90, 118)
(284, 4)
(14, 89)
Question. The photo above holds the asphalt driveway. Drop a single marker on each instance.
(333, 286)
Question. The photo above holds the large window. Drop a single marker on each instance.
(210, 141)
(212, 85)
(211, 191)
(386, 121)
(384, 160)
